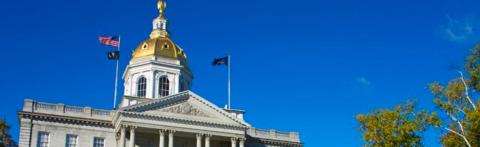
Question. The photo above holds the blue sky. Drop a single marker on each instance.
(306, 65)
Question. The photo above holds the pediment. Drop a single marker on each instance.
(184, 108)
(187, 106)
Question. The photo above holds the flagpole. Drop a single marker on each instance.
(228, 63)
(116, 76)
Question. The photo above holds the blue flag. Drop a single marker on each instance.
(220, 61)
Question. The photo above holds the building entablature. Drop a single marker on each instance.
(132, 118)
(65, 119)
(66, 114)
(153, 63)
(270, 142)
(152, 126)
(177, 119)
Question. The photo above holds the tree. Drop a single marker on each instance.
(457, 102)
(5, 138)
(400, 126)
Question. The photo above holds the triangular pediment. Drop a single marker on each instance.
(183, 108)
(188, 106)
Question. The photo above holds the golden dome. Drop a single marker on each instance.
(160, 47)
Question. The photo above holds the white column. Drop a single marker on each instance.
(170, 138)
(162, 138)
(234, 141)
(150, 84)
(122, 136)
(199, 140)
(155, 85)
(176, 85)
(207, 140)
(132, 137)
(241, 142)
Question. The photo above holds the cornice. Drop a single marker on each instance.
(181, 121)
(274, 142)
(213, 106)
(65, 119)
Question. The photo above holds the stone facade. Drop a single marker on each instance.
(181, 120)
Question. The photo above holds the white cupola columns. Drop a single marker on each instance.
(159, 83)
(161, 77)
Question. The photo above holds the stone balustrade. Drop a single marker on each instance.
(274, 134)
(61, 109)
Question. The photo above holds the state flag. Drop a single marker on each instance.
(113, 55)
(220, 61)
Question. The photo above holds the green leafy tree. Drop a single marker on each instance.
(397, 127)
(5, 138)
(456, 101)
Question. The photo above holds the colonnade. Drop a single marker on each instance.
(162, 133)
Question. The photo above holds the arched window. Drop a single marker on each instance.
(163, 87)
(142, 87)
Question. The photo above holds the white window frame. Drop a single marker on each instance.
(142, 85)
(164, 86)
(71, 144)
(95, 144)
(43, 141)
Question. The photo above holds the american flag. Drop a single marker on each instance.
(110, 40)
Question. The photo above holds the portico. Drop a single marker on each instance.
(184, 119)
(171, 138)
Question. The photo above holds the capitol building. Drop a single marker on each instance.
(157, 109)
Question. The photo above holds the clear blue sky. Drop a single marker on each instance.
(303, 65)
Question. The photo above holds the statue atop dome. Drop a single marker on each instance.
(160, 23)
(161, 5)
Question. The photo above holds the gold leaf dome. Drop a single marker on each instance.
(161, 47)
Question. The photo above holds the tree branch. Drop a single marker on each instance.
(466, 90)
(463, 136)
(460, 110)
(458, 122)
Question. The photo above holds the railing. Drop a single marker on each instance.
(61, 109)
(274, 134)
(283, 134)
(74, 109)
(45, 106)
(265, 133)
(101, 112)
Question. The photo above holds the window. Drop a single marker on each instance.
(98, 142)
(43, 139)
(142, 87)
(164, 87)
(71, 141)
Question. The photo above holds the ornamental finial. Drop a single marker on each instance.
(160, 23)
(161, 5)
